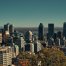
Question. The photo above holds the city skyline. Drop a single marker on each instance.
(23, 13)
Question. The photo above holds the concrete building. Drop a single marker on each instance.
(5, 56)
(29, 47)
(16, 50)
(22, 42)
(60, 42)
(6, 27)
(0, 38)
(10, 41)
(37, 46)
(50, 42)
(28, 36)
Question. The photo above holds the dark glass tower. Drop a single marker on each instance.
(11, 29)
(6, 27)
(40, 32)
(64, 29)
(28, 37)
(50, 30)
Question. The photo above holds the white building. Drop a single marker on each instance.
(29, 47)
(22, 42)
(5, 56)
(37, 46)
(29, 36)
(16, 50)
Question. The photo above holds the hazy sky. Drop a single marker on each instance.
(29, 13)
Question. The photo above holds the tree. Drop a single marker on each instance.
(52, 57)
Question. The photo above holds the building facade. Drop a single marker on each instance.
(40, 32)
(5, 56)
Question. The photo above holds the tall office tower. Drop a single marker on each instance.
(6, 35)
(59, 34)
(50, 42)
(22, 42)
(29, 47)
(50, 30)
(64, 29)
(16, 50)
(40, 32)
(6, 31)
(5, 56)
(28, 36)
(11, 30)
(54, 36)
(1, 36)
(37, 46)
(6, 27)
(59, 42)
(9, 41)
(0, 39)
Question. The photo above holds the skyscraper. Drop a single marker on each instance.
(6, 27)
(11, 29)
(0, 38)
(50, 30)
(40, 31)
(37, 46)
(29, 47)
(64, 29)
(28, 36)
(5, 56)
(59, 34)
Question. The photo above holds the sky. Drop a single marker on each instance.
(30, 13)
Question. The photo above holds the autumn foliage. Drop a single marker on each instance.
(52, 57)
(47, 56)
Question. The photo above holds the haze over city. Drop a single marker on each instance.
(32, 32)
(29, 13)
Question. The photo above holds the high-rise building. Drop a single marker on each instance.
(50, 42)
(9, 27)
(64, 29)
(11, 30)
(5, 56)
(59, 34)
(59, 42)
(22, 42)
(28, 36)
(6, 27)
(16, 50)
(55, 36)
(7, 32)
(50, 30)
(9, 41)
(29, 47)
(37, 46)
(40, 32)
(0, 38)
(6, 35)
